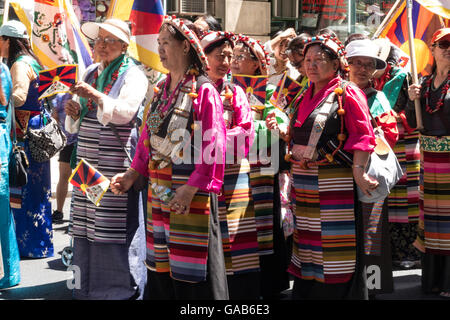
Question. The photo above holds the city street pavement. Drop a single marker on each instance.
(47, 279)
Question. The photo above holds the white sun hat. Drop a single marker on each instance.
(365, 48)
(15, 29)
(116, 27)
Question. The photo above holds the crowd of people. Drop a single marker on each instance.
(182, 221)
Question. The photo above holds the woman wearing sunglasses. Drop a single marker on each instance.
(434, 94)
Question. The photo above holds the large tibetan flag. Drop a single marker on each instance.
(285, 92)
(55, 32)
(146, 17)
(57, 80)
(254, 87)
(427, 17)
(89, 181)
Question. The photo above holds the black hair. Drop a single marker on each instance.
(19, 47)
(212, 22)
(217, 44)
(327, 31)
(355, 36)
(177, 35)
(297, 44)
(331, 55)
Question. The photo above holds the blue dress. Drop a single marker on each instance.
(34, 219)
(10, 251)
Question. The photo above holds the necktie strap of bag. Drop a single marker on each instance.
(116, 133)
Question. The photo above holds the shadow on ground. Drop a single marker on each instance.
(407, 287)
(49, 291)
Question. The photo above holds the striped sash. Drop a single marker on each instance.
(324, 240)
(177, 243)
(237, 221)
(435, 196)
(403, 201)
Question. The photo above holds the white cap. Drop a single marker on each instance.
(365, 48)
(116, 27)
(15, 29)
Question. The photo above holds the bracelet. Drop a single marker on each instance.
(358, 166)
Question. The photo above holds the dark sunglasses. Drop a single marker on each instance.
(443, 45)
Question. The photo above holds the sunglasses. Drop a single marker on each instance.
(443, 44)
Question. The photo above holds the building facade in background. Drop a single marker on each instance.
(263, 18)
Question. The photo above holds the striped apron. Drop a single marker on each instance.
(324, 240)
(97, 144)
(177, 243)
(236, 211)
(404, 197)
(435, 193)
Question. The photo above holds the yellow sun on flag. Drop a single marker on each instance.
(423, 58)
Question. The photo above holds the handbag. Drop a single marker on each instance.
(141, 182)
(46, 141)
(383, 166)
(18, 162)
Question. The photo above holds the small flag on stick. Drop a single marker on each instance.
(89, 181)
(57, 80)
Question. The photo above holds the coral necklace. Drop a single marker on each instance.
(440, 103)
(114, 76)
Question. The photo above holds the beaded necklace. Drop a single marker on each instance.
(440, 103)
(90, 103)
(164, 104)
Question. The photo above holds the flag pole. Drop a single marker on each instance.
(387, 19)
(6, 11)
(412, 54)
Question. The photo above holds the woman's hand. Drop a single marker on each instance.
(72, 109)
(272, 124)
(414, 92)
(122, 182)
(286, 34)
(181, 202)
(84, 90)
(365, 182)
(271, 121)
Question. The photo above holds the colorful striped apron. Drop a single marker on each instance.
(324, 241)
(435, 193)
(97, 144)
(177, 243)
(236, 209)
(404, 197)
(237, 221)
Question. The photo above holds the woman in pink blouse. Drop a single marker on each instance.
(236, 209)
(330, 141)
(182, 151)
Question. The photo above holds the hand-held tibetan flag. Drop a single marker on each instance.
(57, 80)
(254, 87)
(89, 181)
(287, 89)
(274, 98)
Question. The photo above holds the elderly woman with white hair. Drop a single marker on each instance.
(109, 240)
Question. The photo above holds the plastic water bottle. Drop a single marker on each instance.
(162, 193)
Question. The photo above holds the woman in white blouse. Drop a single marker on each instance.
(109, 240)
